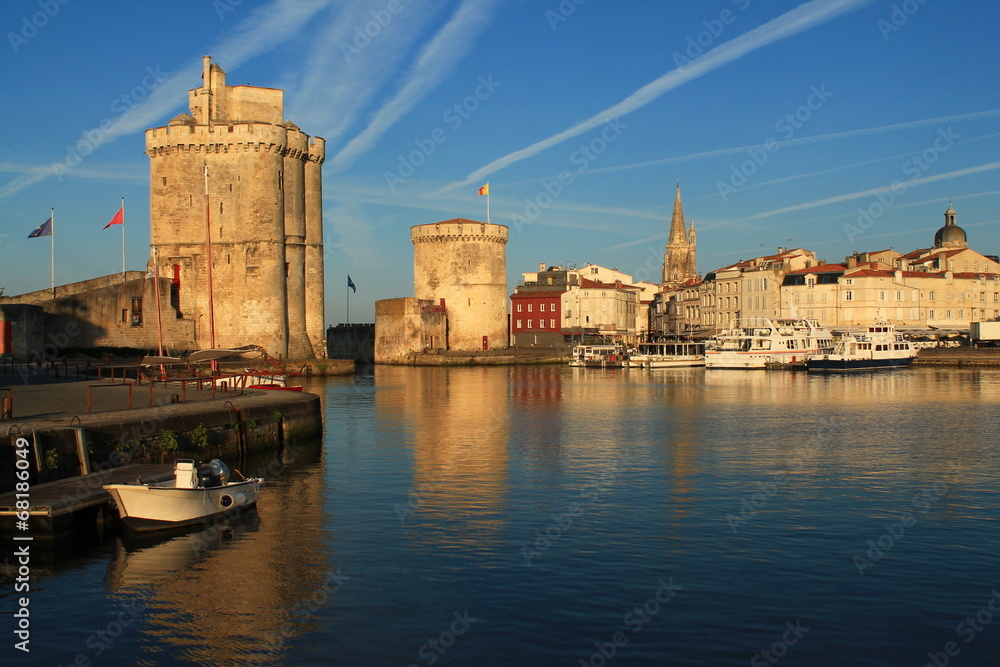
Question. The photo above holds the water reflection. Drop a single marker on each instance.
(226, 590)
(458, 420)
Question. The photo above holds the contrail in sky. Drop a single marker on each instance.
(874, 191)
(791, 23)
(437, 60)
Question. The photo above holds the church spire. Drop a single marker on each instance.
(678, 234)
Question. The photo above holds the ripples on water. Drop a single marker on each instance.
(521, 515)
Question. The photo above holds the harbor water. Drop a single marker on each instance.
(570, 516)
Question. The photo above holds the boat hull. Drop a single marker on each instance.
(750, 360)
(144, 507)
(844, 365)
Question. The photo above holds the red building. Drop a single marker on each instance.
(536, 317)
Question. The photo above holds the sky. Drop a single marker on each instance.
(834, 125)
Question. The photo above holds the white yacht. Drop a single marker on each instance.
(668, 354)
(879, 347)
(756, 342)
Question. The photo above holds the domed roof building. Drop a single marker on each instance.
(951, 235)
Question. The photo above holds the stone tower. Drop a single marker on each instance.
(264, 210)
(464, 262)
(679, 261)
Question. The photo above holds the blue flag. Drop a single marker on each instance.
(350, 283)
(44, 229)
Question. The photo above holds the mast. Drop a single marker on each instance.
(208, 259)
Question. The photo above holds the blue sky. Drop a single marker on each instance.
(780, 119)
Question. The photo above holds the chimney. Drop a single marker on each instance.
(541, 266)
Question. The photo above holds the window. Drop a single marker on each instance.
(529, 310)
(961, 313)
(930, 314)
(519, 310)
(933, 295)
(519, 322)
(849, 281)
(899, 295)
(975, 266)
(529, 321)
(552, 324)
(947, 314)
(848, 295)
(881, 295)
(137, 311)
(552, 306)
(982, 296)
(965, 266)
(541, 307)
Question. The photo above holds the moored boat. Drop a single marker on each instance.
(191, 495)
(668, 354)
(759, 342)
(878, 347)
(599, 356)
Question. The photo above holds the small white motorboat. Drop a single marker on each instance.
(194, 493)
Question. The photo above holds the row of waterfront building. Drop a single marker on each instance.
(943, 287)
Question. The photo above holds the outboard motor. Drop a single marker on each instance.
(220, 472)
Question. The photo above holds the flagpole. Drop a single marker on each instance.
(159, 320)
(52, 240)
(208, 258)
(123, 240)
(487, 206)
(348, 300)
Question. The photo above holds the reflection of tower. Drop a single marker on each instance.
(264, 207)
(679, 261)
(460, 428)
(464, 262)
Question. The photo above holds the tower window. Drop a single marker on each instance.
(164, 180)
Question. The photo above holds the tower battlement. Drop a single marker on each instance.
(459, 229)
(235, 138)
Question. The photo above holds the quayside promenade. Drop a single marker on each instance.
(71, 450)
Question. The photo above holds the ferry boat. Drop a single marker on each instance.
(668, 354)
(759, 342)
(879, 347)
(599, 356)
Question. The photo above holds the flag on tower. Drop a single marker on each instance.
(44, 229)
(485, 190)
(119, 218)
(350, 283)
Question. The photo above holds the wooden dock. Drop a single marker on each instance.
(76, 503)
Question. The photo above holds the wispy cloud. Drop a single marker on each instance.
(265, 28)
(791, 23)
(958, 173)
(978, 115)
(434, 64)
(340, 78)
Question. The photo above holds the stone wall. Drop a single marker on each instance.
(100, 312)
(404, 327)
